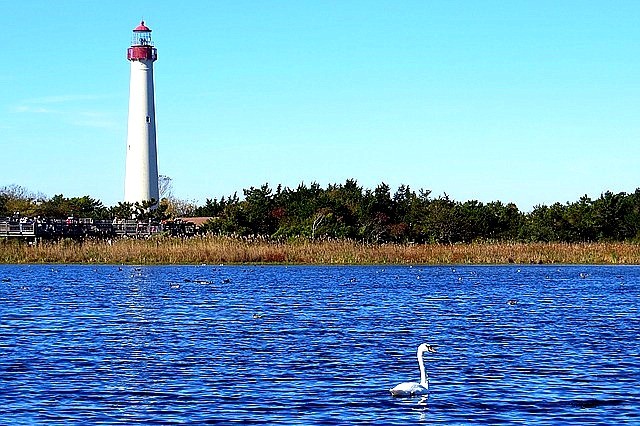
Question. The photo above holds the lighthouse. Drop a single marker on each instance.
(141, 173)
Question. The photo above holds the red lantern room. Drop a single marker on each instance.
(141, 45)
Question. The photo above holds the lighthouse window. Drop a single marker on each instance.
(148, 119)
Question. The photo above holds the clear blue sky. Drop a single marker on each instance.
(530, 102)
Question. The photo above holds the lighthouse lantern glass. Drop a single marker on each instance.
(141, 38)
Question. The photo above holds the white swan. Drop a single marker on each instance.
(414, 388)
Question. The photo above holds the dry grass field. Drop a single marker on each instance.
(219, 250)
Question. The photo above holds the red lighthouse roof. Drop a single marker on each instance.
(142, 28)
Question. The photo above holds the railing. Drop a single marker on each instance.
(17, 229)
(81, 228)
(132, 228)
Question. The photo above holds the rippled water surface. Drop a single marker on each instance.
(305, 345)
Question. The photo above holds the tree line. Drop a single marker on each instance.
(15, 199)
(349, 211)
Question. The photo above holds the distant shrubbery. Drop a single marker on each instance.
(16, 199)
(348, 211)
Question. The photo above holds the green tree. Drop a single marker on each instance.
(122, 210)
(440, 224)
(581, 220)
(504, 221)
(375, 214)
(406, 216)
(258, 210)
(296, 211)
(546, 224)
(609, 212)
(17, 199)
(344, 202)
(150, 210)
(57, 207)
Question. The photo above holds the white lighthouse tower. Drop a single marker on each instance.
(141, 177)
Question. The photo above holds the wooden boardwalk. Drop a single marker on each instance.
(45, 228)
(17, 229)
(38, 228)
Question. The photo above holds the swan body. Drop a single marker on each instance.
(410, 389)
(415, 388)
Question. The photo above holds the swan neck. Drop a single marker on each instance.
(424, 378)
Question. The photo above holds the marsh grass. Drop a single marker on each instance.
(218, 250)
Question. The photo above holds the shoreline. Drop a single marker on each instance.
(226, 250)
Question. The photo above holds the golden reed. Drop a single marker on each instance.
(218, 250)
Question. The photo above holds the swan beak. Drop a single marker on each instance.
(431, 349)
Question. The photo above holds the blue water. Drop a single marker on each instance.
(318, 345)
